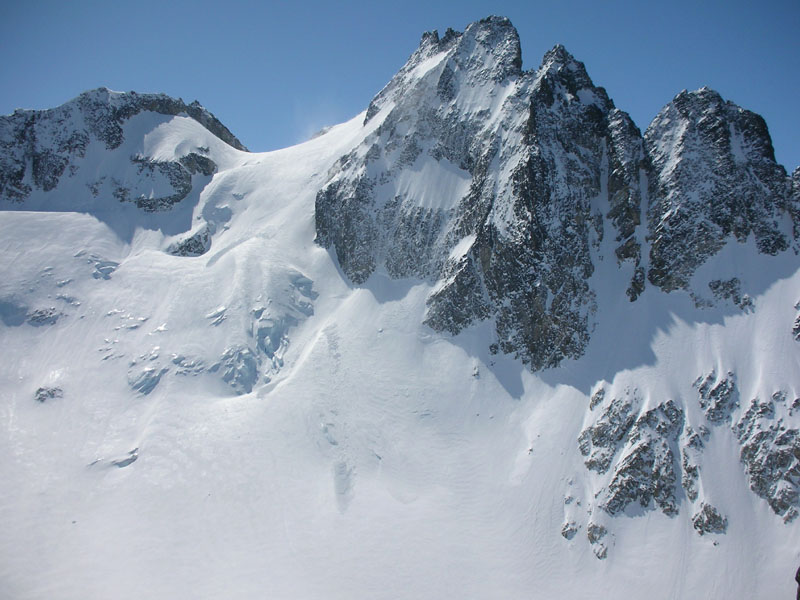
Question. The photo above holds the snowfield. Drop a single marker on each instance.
(197, 402)
(371, 457)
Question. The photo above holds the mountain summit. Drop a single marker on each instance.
(505, 186)
(484, 338)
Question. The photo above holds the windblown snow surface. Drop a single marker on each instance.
(247, 424)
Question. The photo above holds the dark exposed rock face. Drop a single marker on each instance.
(43, 394)
(510, 189)
(526, 156)
(691, 451)
(39, 148)
(771, 454)
(535, 247)
(641, 447)
(196, 244)
(178, 177)
(639, 455)
(708, 520)
(730, 289)
(648, 473)
(714, 176)
(718, 396)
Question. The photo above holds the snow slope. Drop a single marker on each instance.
(247, 423)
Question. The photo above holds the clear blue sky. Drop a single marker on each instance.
(275, 72)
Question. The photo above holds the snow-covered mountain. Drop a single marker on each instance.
(484, 340)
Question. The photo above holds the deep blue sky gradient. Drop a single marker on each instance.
(276, 72)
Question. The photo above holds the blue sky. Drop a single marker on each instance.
(275, 72)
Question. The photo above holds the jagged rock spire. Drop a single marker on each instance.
(548, 172)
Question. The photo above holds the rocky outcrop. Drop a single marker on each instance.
(43, 394)
(601, 441)
(718, 396)
(196, 244)
(44, 316)
(638, 455)
(39, 148)
(638, 449)
(647, 473)
(796, 324)
(596, 535)
(708, 520)
(691, 452)
(771, 454)
(730, 289)
(714, 177)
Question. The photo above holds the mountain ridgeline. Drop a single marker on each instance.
(505, 186)
(489, 307)
(41, 149)
(509, 189)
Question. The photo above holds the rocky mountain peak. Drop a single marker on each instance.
(558, 59)
(104, 108)
(534, 173)
(487, 52)
(561, 72)
(39, 148)
(498, 41)
(481, 210)
(709, 110)
(431, 43)
(507, 212)
(714, 177)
